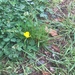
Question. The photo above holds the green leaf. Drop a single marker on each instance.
(6, 39)
(3, 0)
(1, 36)
(1, 53)
(22, 6)
(13, 40)
(43, 15)
(13, 2)
(19, 49)
(32, 42)
(32, 48)
(1, 46)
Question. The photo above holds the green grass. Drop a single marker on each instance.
(23, 58)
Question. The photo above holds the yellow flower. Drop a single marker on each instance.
(27, 34)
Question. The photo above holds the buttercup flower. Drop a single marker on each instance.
(27, 34)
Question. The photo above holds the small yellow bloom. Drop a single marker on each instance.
(27, 34)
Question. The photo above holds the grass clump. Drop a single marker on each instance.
(25, 46)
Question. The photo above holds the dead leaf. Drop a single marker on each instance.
(63, 43)
(36, 73)
(63, 2)
(56, 48)
(47, 53)
(53, 32)
(55, 9)
(45, 73)
(58, 19)
(47, 22)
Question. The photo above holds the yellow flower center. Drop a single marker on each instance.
(27, 34)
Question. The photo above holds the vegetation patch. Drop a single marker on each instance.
(37, 37)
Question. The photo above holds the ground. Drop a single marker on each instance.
(52, 59)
